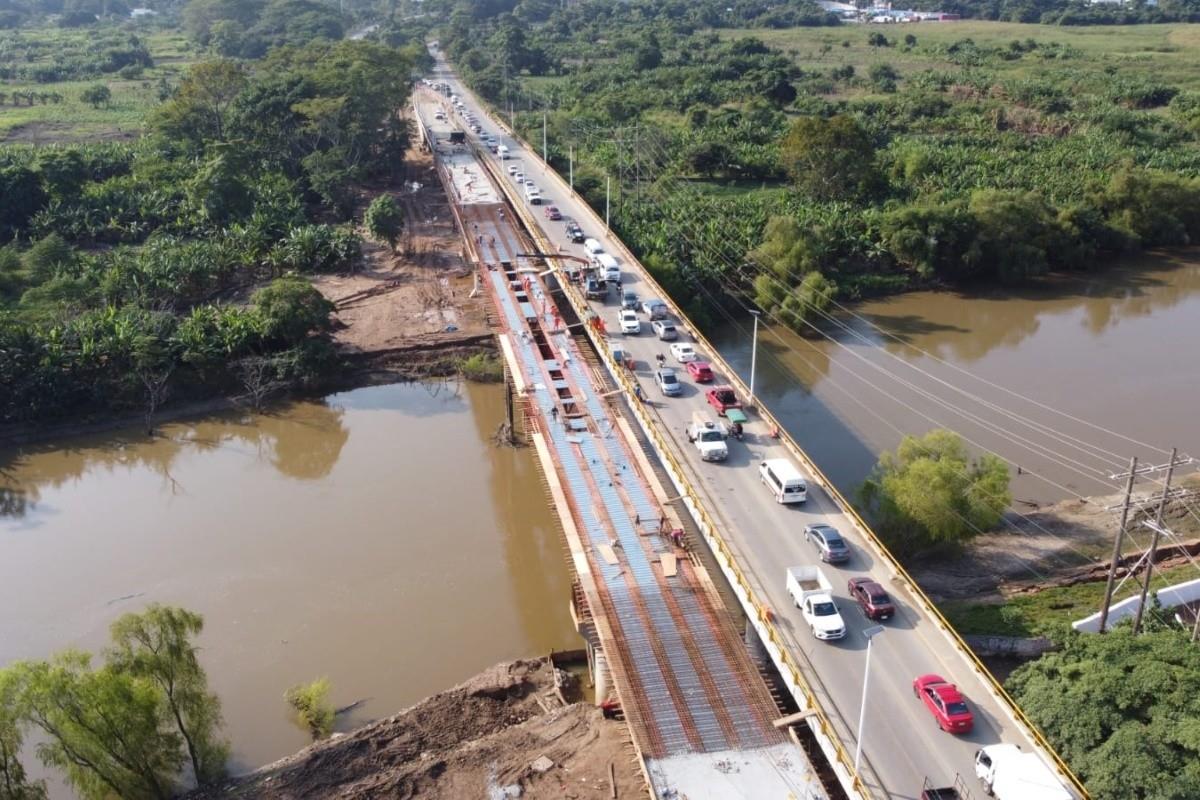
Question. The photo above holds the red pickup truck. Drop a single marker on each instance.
(722, 398)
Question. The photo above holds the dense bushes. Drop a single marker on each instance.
(122, 256)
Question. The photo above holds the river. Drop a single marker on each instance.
(1116, 348)
(376, 537)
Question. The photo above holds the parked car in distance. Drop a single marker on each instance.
(871, 598)
(629, 300)
(683, 352)
(700, 371)
(668, 381)
(552, 213)
(665, 330)
(829, 543)
(945, 702)
(722, 398)
(656, 308)
(630, 322)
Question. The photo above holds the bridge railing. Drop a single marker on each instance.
(761, 614)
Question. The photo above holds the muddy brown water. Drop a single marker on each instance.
(377, 538)
(1116, 348)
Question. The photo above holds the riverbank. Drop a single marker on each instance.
(518, 729)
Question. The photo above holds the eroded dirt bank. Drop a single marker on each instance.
(506, 733)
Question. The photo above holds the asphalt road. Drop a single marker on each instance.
(902, 744)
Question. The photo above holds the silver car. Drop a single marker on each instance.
(665, 330)
(668, 381)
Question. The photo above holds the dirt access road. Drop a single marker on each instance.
(410, 313)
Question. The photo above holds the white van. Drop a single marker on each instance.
(502, 151)
(784, 480)
(608, 265)
(533, 196)
(592, 246)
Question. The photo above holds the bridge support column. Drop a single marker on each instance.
(754, 642)
(600, 676)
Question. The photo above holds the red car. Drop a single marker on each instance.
(700, 371)
(871, 598)
(722, 398)
(945, 703)
(553, 213)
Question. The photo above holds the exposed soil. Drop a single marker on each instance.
(506, 733)
(410, 312)
(1058, 545)
(59, 132)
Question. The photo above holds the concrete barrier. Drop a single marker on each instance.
(1177, 595)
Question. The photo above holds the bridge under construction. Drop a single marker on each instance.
(664, 651)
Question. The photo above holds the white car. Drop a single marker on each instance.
(823, 618)
(513, 169)
(612, 274)
(684, 352)
(519, 177)
(630, 322)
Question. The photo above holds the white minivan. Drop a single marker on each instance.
(784, 480)
(592, 246)
(502, 151)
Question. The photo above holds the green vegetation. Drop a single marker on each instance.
(311, 703)
(119, 287)
(943, 154)
(125, 728)
(384, 220)
(930, 493)
(482, 368)
(1122, 709)
(1048, 612)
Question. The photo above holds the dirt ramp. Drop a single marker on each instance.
(503, 734)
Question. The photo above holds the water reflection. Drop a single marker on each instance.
(1083, 344)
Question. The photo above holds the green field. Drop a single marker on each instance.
(72, 119)
(1163, 53)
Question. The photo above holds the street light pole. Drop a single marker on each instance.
(754, 358)
(607, 191)
(571, 173)
(870, 633)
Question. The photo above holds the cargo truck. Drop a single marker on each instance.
(1009, 773)
(708, 437)
(812, 593)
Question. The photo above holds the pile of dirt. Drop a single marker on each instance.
(506, 733)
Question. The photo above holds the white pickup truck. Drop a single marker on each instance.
(812, 593)
(708, 437)
(1009, 773)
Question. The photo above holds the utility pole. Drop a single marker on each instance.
(544, 159)
(753, 364)
(1162, 504)
(607, 191)
(1112, 567)
(1196, 627)
(571, 169)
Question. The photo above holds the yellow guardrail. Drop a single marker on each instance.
(773, 635)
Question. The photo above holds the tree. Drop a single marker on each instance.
(929, 492)
(312, 706)
(95, 95)
(290, 308)
(103, 728)
(709, 158)
(831, 158)
(23, 197)
(1123, 710)
(199, 110)
(384, 220)
(877, 39)
(157, 645)
(13, 783)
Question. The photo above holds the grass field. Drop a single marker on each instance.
(1047, 611)
(75, 120)
(1163, 53)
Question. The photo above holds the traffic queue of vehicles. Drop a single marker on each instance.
(1004, 770)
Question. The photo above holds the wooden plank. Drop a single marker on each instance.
(669, 564)
(608, 553)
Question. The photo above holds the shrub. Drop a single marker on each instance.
(311, 704)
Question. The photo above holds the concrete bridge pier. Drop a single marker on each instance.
(599, 667)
